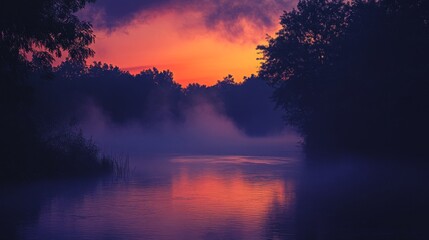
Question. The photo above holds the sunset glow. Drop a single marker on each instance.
(179, 42)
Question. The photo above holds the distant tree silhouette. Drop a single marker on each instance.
(226, 81)
(350, 75)
(152, 98)
(195, 89)
(248, 105)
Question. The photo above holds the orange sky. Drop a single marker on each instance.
(175, 41)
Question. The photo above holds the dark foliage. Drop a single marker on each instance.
(151, 98)
(249, 105)
(352, 76)
(32, 35)
(44, 29)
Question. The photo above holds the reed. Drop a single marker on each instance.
(118, 165)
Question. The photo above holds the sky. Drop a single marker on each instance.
(198, 40)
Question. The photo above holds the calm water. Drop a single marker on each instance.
(224, 197)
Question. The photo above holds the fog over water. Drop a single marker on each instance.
(204, 131)
(150, 113)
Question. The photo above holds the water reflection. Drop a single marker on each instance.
(363, 199)
(191, 198)
(227, 197)
(22, 205)
(235, 202)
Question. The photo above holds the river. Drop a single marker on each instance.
(224, 197)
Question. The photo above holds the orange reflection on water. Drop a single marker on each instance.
(221, 195)
(195, 202)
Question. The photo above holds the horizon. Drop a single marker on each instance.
(198, 44)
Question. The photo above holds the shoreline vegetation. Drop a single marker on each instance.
(33, 35)
(66, 154)
(352, 76)
(63, 155)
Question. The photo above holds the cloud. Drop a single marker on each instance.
(231, 17)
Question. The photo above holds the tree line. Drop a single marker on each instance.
(352, 76)
(151, 97)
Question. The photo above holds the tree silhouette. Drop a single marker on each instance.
(249, 106)
(44, 29)
(350, 75)
(32, 35)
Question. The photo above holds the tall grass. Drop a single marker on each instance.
(64, 153)
(119, 165)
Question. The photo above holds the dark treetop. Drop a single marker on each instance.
(353, 76)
